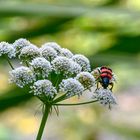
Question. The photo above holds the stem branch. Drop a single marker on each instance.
(61, 98)
(26, 63)
(9, 63)
(74, 104)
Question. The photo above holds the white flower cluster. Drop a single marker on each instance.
(7, 50)
(66, 66)
(82, 61)
(41, 67)
(86, 79)
(71, 87)
(72, 72)
(105, 97)
(43, 87)
(20, 43)
(65, 52)
(29, 52)
(75, 68)
(22, 76)
(48, 53)
(53, 45)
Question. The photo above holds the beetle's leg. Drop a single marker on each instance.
(97, 87)
(112, 85)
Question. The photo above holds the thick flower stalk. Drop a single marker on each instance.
(54, 74)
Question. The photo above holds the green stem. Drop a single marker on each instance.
(9, 63)
(43, 122)
(82, 103)
(26, 63)
(61, 98)
(57, 80)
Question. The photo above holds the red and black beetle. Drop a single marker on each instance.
(104, 76)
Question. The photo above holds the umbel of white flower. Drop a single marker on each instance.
(67, 53)
(48, 53)
(51, 71)
(44, 87)
(53, 45)
(22, 76)
(82, 61)
(41, 67)
(66, 66)
(105, 97)
(20, 43)
(71, 87)
(86, 79)
(28, 53)
(7, 49)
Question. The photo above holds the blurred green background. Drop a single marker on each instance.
(108, 33)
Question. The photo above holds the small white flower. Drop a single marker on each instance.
(20, 43)
(86, 79)
(7, 49)
(82, 61)
(29, 53)
(65, 52)
(105, 97)
(43, 87)
(22, 76)
(53, 45)
(66, 66)
(48, 52)
(71, 87)
(41, 66)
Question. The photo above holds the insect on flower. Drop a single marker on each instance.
(105, 77)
